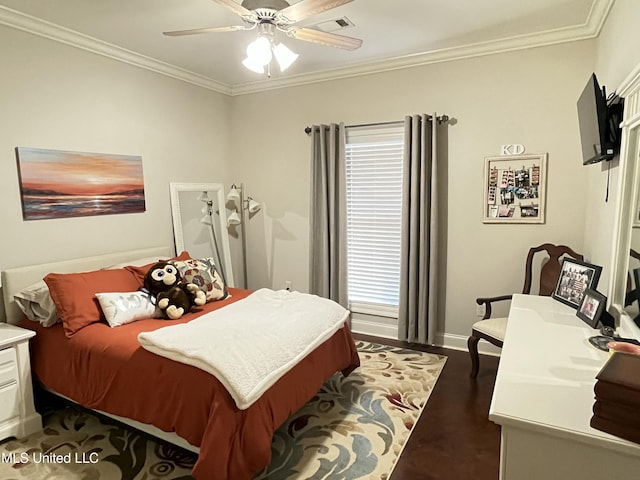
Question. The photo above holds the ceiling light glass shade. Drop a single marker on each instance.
(253, 65)
(234, 194)
(206, 220)
(284, 56)
(203, 196)
(259, 51)
(253, 206)
(234, 219)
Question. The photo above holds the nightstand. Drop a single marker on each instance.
(18, 416)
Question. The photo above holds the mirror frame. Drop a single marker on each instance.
(219, 200)
(627, 198)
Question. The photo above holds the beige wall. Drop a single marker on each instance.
(59, 97)
(525, 97)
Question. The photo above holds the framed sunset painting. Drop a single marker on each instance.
(60, 184)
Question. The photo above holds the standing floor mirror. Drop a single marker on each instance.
(627, 206)
(199, 223)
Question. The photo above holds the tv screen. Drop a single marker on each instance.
(599, 119)
(592, 118)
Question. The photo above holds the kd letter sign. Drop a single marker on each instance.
(512, 149)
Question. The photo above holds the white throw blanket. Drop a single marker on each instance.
(248, 345)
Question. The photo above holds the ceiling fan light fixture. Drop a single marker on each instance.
(259, 51)
(253, 65)
(284, 56)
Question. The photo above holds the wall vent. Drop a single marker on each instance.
(333, 25)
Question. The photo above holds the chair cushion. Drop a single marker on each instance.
(493, 327)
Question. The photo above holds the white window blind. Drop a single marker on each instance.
(374, 214)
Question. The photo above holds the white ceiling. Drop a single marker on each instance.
(396, 33)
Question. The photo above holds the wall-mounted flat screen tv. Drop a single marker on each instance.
(599, 120)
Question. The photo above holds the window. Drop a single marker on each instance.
(374, 157)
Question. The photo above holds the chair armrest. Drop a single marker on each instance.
(487, 302)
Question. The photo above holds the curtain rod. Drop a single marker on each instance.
(439, 118)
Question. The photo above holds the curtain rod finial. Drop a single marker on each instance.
(307, 130)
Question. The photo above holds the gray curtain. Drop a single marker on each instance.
(328, 228)
(418, 251)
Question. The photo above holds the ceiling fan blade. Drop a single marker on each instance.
(306, 8)
(325, 38)
(195, 31)
(234, 7)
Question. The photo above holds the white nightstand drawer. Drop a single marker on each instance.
(9, 401)
(8, 366)
(18, 416)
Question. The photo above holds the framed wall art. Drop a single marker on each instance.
(576, 277)
(61, 184)
(515, 188)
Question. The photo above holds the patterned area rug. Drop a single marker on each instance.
(354, 428)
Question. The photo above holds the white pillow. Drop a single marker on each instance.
(120, 308)
(37, 305)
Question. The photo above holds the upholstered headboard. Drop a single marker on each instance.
(15, 279)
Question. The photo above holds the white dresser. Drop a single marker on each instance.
(18, 417)
(543, 399)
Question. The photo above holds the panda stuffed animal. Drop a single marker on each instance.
(173, 296)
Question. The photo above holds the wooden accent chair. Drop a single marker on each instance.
(493, 329)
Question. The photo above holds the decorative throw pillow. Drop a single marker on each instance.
(120, 308)
(36, 303)
(74, 294)
(203, 273)
(141, 270)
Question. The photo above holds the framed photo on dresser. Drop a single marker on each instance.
(576, 277)
(591, 308)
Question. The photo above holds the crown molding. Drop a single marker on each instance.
(590, 29)
(36, 26)
(435, 56)
(598, 15)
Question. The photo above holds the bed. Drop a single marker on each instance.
(106, 369)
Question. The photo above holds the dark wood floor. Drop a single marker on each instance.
(454, 438)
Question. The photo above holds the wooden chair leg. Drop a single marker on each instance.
(472, 345)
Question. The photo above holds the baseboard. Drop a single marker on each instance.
(444, 340)
(459, 342)
(20, 427)
(375, 329)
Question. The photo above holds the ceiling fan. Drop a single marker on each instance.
(278, 14)
(269, 16)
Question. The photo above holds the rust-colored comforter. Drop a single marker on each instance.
(106, 369)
